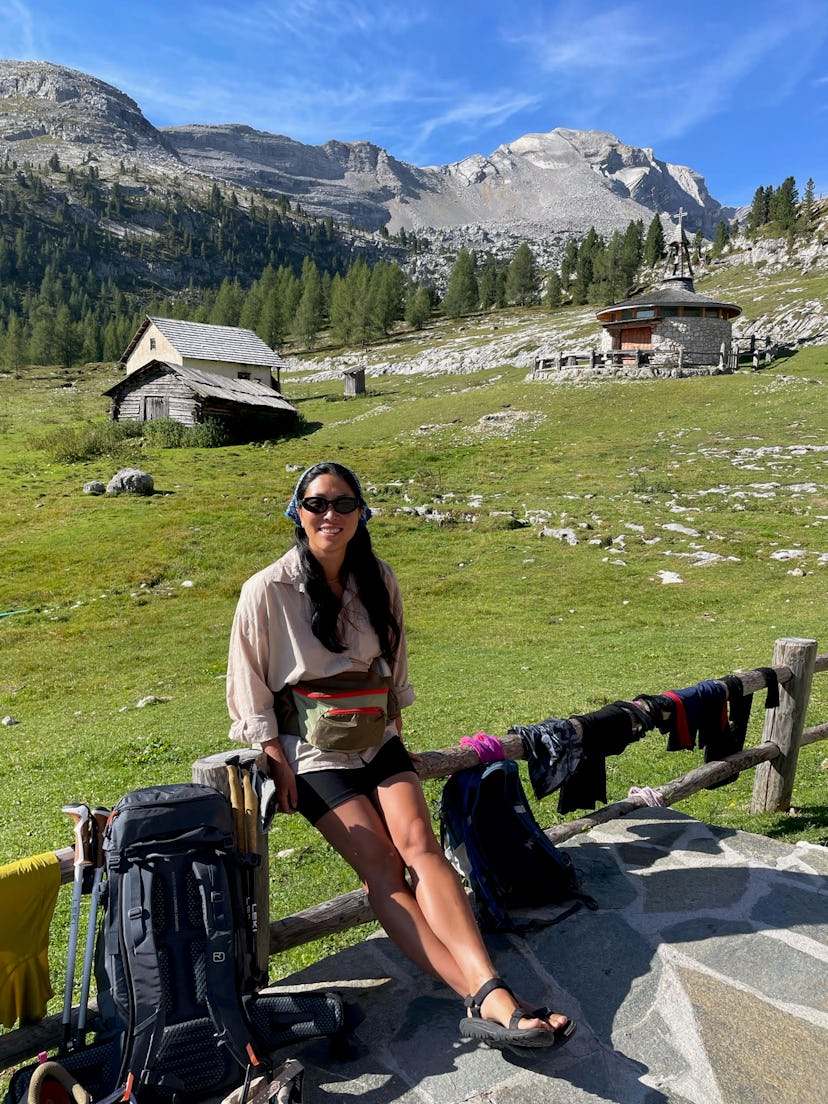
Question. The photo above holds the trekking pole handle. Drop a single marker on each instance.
(80, 816)
(100, 816)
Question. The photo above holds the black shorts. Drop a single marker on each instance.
(322, 790)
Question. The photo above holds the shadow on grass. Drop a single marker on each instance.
(789, 826)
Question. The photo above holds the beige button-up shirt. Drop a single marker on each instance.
(272, 646)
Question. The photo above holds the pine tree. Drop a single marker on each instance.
(569, 262)
(66, 340)
(654, 244)
(14, 345)
(341, 311)
(809, 205)
(417, 306)
(783, 204)
(387, 294)
(462, 294)
(365, 322)
(608, 282)
(721, 239)
(521, 276)
(308, 320)
(632, 250)
(42, 349)
(590, 251)
(487, 285)
(252, 307)
(228, 304)
(553, 296)
(759, 208)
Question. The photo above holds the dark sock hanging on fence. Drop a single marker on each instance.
(700, 712)
(772, 679)
(552, 751)
(732, 738)
(608, 731)
(655, 706)
(711, 717)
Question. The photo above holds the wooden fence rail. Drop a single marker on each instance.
(795, 662)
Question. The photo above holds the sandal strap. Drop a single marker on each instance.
(474, 1003)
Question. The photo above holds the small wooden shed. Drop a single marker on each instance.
(190, 395)
(354, 381)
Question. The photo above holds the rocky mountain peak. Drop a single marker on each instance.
(562, 181)
(45, 106)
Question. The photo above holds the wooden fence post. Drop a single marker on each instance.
(774, 782)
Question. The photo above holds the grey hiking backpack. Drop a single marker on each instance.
(181, 1017)
(177, 977)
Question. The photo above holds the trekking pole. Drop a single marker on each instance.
(80, 816)
(254, 843)
(236, 801)
(98, 824)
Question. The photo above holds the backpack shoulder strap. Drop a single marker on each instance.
(140, 960)
(223, 996)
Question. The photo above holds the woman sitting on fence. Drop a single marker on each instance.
(322, 630)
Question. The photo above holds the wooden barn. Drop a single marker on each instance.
(221, 350)
(190, 395)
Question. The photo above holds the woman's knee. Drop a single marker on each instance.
(415, 841)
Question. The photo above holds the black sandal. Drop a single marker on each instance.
(473, 1026)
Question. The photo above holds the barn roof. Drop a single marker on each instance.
(208, 385)
(200, 341)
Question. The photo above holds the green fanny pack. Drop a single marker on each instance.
(347, 712)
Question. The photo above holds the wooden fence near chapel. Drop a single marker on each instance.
(795, 662)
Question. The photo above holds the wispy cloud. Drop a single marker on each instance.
(648, 65)
(314, 23)
(571, 43)
(470, 115)
(17, 37)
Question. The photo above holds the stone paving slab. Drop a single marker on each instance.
(702, 978)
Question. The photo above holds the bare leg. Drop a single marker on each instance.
(433, 925)
(356, 830)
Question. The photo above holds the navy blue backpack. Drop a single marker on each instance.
(491, 837)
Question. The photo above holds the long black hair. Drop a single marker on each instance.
(360, 562)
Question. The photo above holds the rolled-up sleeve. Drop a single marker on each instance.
(249, 698)
(403, 689)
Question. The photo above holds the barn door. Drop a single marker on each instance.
(155, 407)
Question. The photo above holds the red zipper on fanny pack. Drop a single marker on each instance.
(350, 712)
(338, 693)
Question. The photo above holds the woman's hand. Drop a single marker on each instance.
(282, 775)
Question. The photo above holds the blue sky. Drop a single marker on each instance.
(737, 90)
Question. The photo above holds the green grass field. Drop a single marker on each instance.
(720, 481)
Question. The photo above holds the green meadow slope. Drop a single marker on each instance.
(559, 546)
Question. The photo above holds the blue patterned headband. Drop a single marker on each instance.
(292, 511)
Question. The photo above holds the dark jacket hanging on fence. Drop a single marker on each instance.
(608, 731)
(552, 751)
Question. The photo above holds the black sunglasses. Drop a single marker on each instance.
(316, 504)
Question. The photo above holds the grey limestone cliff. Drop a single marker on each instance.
(562, 182)
(46, 108)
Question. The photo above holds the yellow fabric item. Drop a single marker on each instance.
(28, 892)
